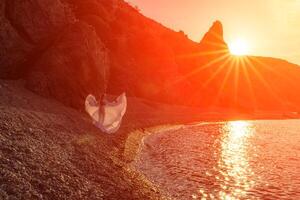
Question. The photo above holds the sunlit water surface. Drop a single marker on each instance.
(231, 160)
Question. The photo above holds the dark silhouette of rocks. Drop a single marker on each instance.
(28, 27)
(213, 41)
(121, 50)
(74, 66)
(13, 49)
(37, 21)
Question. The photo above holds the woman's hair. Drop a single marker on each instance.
(102, 98)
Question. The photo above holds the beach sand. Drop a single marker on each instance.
(50, 151)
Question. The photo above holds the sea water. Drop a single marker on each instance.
(225, 160)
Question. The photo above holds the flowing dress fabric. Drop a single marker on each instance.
(107, 117)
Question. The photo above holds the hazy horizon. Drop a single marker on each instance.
(271, 27)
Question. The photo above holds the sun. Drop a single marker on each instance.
(239, 47)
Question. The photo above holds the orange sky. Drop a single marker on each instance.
(271, 27)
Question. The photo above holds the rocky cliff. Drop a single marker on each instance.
(66, 49)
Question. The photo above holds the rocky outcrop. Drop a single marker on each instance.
(74, 66)
(27, 27)
(13, 48)
(43, 42)
(71, 42)
(38, 20)
(213, 41)
(65, 48)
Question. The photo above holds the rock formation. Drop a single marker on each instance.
(13, 48)
(213, 41)
(65, 49)
(59, 57)
(74, 66)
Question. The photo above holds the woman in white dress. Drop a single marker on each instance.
(106, 115)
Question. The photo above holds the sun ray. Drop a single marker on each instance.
(249, 83)
(216, 72)
(203, 53)
(217, 35)
(200, 69)
(216, 44)
(263, 81)
(213, 61)
(209, 64)
(232, 61)
(226, 57)
(236, 79)
(268, 67)
(261, 63)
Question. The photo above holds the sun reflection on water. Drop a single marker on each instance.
(233, 163)
(226, 160)
(232, 172)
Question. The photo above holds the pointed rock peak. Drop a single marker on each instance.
(216, 28)
(214, 39)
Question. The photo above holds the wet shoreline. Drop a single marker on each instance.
(222, 159)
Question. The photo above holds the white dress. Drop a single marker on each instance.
(107, 117)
